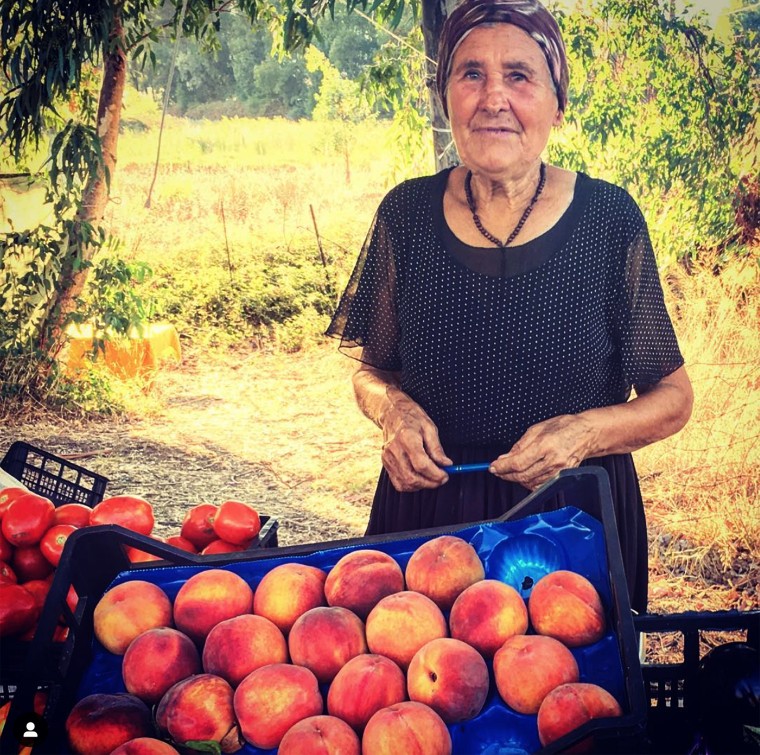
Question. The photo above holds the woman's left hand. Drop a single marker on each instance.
(545, 449)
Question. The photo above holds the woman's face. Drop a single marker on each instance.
(501, 100)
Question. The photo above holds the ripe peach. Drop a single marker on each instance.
(363, 686)
(320, 735)
(145, 746)
(528, 667)
(325, 638)
(200, 708)
(400, 624)
(127, 610)
(157, 659)
(566, 606)
(569, 706)
(272, 699)
(288, 591)
(406, 727)
(239, 645)
(361, 578)
(99, 723)
(486, 614)
(449, 676)
(442, 568)
(209, 597)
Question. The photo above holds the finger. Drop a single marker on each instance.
(432, 444)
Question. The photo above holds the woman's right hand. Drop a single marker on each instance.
(412, 452)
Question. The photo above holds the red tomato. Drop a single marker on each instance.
(222, 546)
(7, 575)
(137, 556)
(6, 549)
(7, 495)
(198, 525)
(18, 610)
(72, 599)
(29, 563)
(236, 522)
(39, 588)
(177, 541)
(27, 518)
(129, 511)
(76, 514)
(53, 541)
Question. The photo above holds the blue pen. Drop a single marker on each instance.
(459, 468)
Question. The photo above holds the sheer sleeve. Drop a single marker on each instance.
(366, 318)
(644, 331)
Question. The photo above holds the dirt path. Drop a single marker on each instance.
(235, 427)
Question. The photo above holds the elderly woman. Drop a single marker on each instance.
(503, 310)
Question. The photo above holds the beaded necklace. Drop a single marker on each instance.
(521, 222)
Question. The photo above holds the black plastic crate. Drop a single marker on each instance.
(672, 714)
(58, 479)
(95, 558)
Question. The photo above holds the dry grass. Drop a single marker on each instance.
(701, 485)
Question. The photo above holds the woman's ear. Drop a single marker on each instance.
(559, 118)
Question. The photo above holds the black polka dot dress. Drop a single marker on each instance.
(491, 341)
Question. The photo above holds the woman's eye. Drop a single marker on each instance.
(472, 74)
(517, 76)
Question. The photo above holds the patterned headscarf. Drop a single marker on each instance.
(528, 15)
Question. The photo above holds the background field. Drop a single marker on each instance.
(261, 405)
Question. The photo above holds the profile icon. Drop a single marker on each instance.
(30, 729)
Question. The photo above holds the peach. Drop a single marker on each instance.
(569, 706)
(239, 645)
(209, 597)
(449, 676)
(99, 723)
(442, 568)
(320, 735)
(406, 727)
(362, 687)
(127, 610)
(157, 659)
(566, 606)
(325, 638)
(272, 699)
(200, 708)
(486, 614)
(400, 624)
(145, 746)
(288, 591)
(528, 667)
(361, 578)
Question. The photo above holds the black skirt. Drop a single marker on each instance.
(478, 496)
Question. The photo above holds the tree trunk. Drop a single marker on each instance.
(96, 192)
(434, 13)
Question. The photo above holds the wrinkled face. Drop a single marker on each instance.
(501, 100)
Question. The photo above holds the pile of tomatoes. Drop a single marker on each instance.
(33, 533)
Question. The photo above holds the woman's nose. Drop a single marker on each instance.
(495, 96)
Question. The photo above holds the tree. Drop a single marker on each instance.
(47, 45)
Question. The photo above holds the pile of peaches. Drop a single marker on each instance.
(365, 657)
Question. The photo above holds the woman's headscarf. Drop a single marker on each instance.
(528, 15)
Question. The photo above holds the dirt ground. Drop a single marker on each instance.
(211, 432)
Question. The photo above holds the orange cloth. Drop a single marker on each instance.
(139, 354)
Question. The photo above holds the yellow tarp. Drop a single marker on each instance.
(139, 354)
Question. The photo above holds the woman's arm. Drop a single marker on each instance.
(565, 441)
(412, 452)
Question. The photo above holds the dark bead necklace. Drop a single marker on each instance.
(521, 222)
